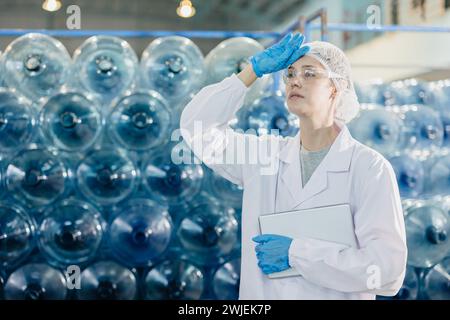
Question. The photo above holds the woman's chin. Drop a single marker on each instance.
(298, 109)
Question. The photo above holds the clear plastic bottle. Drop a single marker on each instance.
(140, 232)
(17, 121)
(17, 234)
(36, 65)
(427, 232)
(174, 279)
(36, 281)
(107, 280)
(38, 175)
(71, 120)
(173, 66)
(232, 56)
(106, 66)
(140, 121)
(71, 232)
(107, 176)
(377, 128)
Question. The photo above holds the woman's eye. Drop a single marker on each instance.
(309, 74)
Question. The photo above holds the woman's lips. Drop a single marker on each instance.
(295, 96)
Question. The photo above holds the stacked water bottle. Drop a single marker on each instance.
(409, 123)
(88, 177)
(92, 177)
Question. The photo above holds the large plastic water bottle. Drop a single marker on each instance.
(140, 232)
(140, 121)
(232, 56)
(409, 91)
(17, 121)
(226, 280)
(223, 189)
(208, 232)
(437, 281)
(438, 97)
(169, 179)
(427, 231)
(107, 176)
(38, 175)
(71, 121)
(377, 128)
(70, 233)
(174, 280)
(372, 92)
(173, 66)
(439, 176)
(106, 66)
(267, 114)
(36, 65)
(422, 129)
(17, 234)
(107, 280)
(36, 281)
(410, 175)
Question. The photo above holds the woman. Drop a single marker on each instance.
(322, 165)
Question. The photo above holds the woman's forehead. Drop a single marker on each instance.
(307, 61)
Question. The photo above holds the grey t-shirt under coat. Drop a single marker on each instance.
(310, 160)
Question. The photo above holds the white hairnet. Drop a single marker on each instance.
(334, 60)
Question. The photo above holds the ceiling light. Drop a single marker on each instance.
(185, 9)
(51, 5)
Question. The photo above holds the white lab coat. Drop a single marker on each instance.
(350, 173)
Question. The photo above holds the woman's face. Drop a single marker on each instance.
(311, 97)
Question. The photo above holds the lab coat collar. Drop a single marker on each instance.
(337, 159)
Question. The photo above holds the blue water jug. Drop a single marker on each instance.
(439, 176)
(173, 66)
(36, 65)
(71, 121)
(226, 280)
(38, 175)
(107, 176)
(409, 91)
(71, 232)
(373, 92)
(105, 66)
(267, 114)
(232, 56)
(36, 281)
(437, 281)
(140, 232)
(422, 128)
(377, 128)
(140, 121)
(427, 231)
(410, 175)
(17, 234)
(107, 280)
(208, 232)
(17, 121)
(171, 178)
(438, 97)
(174, 279)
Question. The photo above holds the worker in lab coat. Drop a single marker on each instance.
(319, 90)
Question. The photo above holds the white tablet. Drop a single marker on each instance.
(330, 223)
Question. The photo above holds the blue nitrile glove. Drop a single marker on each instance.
(279, 56)
(272, 252)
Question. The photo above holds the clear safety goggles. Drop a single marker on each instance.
(308, 75)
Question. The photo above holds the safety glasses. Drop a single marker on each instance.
(307, 75)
